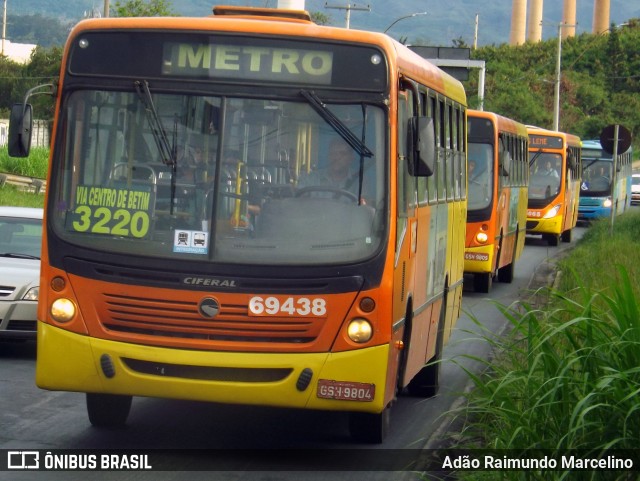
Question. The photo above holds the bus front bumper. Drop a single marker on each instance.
(68, 361)
(544, 226)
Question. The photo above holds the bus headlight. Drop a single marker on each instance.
(481, 237)
(360, 330)
(62, 310)
(553, 212)
(607, 202)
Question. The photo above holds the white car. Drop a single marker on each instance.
(635, 189)
(20, 244)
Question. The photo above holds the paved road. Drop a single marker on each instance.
(31, 418)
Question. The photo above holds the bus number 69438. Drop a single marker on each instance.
(290, 306)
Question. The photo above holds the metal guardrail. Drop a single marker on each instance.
(29, 184)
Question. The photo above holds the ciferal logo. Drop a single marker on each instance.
(209, 282)
(209, 307)
(23, 460)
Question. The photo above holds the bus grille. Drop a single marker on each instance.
(181, 319)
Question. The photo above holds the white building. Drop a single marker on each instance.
(18, 52)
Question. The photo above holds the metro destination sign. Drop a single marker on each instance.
(224, 58)
(248, 62)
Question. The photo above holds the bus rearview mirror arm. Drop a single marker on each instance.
(21, 121)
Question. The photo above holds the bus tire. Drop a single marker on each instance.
(108, 410)
(370, 428)
(552, 239)
(566, 236)
(427, 382)
(482, 282)
(505, 273)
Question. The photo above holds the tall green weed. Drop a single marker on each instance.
(36, 165)
(567, 376)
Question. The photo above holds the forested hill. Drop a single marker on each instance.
(443, 23)
(600, 82)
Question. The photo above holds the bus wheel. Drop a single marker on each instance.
(566, 236)
(505, 274)
(482, 282)
(108, 410)
(427, 382)
(370, 428)
(552, 239)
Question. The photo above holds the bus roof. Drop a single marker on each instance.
(571, 139)
(264, 21)
(594, 144)
(505, 124)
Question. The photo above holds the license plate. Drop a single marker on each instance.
(345, 390)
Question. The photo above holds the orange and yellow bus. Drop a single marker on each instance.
(182, 260)
(555, 170)
(498, 181)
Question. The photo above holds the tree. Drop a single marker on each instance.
(142, 8)
(320, 18)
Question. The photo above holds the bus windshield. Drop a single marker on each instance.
(221, 179)
(545, 175)
(596, 177)
(480, 175)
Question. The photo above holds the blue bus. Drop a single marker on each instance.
(598, 194)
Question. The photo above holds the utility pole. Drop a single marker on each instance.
(4, 26)
(556, 97)
(106, 9)
(348, 9)
(475, 34)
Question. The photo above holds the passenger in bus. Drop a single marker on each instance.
(192, 165)
(340, 173)
(184, 164)
(474, 174)
(548, 170)
(478, 185)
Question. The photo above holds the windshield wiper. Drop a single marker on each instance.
(337, 124)
(349, 137)
(535, 157)
(168, 151)
(18, 255)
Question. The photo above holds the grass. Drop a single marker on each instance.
(11, 195)
(567, 376)
(35, 166)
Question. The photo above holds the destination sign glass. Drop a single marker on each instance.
(221, 58)
(545, 142)
(480, 130)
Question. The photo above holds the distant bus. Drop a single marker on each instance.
(598, 192)
(555, 171)
(498, 178)
(183, 258)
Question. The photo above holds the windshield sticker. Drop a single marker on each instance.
(113, 211)
(191, 241)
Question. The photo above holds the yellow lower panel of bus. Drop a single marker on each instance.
(349, 381)
(478, 259)
(545, 226)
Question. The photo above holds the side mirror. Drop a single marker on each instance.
(421, 147)
(504, 161)
(20, 129)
